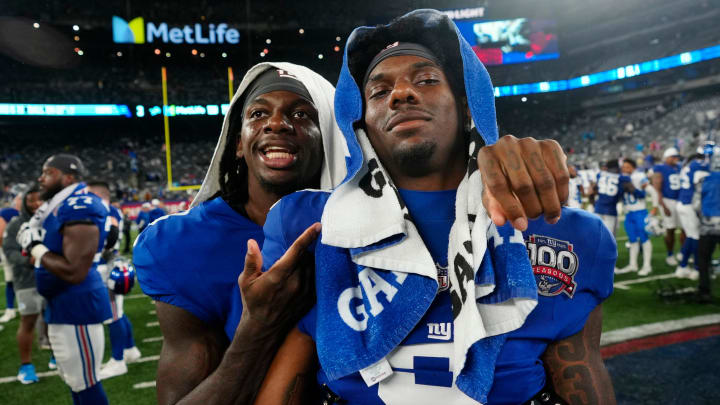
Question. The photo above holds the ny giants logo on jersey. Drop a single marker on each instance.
(554, 265)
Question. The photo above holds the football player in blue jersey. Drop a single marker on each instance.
(157, 211)
(667, 183)
(696, 166)
(64, 239)
(707, 205)
(608, 189)
(143, 218)
(633, 197)
(279, 126)
(122, 342)
(415, 106)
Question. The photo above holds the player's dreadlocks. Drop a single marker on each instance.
(234, 170)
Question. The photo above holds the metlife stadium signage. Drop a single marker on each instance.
(136, 31)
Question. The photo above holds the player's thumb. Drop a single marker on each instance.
(253, 262)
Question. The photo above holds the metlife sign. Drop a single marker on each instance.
(137, 32)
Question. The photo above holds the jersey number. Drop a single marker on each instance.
(608, 185)
(675, 181)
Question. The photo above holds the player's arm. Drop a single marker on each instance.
(191, 350)
(291, 378)
(657, 181)
(273, 302)
(523, 178)
(80, 243)
(575, 366)
(3, 224)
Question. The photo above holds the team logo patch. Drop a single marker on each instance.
(442, 276)
(554, 264)
(285, 73)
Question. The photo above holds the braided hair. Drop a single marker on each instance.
(233, 169)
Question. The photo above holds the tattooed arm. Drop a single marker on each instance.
(576, 368)
(291, 378)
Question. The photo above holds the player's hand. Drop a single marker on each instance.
(27, 237)
(279, 297)
(523, 178)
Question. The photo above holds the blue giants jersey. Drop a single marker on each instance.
(573, 273)
(192, 260)
(670, 180)
(609, 192)
(687, 180)
(87, 302)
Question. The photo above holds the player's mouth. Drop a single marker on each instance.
(278, 157)
(408, 120)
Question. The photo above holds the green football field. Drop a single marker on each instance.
(638, 304)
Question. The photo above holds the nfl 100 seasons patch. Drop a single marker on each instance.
(554, 264)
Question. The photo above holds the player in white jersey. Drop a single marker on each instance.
(634, 202)
(575, 188)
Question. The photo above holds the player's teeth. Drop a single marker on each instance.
(278, 155)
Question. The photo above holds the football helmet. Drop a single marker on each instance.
(653, 226)
(122, 277)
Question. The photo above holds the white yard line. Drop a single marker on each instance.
(145, 359)
(151, 324)
(650, 329)
(5, 380)
(623, 285)
(153, 339)
(146, 384)
(135, 296)
(152, 312)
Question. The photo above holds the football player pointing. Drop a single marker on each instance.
(64, 239)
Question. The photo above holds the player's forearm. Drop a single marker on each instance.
(243, 367)
(59, 266)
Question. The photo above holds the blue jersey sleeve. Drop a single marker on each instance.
(8, 213)
(153, 274)
(597, 283)
(81, 209)
(287, 220)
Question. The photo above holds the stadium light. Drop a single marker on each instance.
(524, 99)
(119, 54)
(320, 56)
(224, 55)
(157, 51)
(301, 31)
(167, 54)
(266, 50)
(337, 39)
(36, 25)
(337, 48)
(76, 27)
(202, 54)
(262, 54)
(80, 52)
(194, 52)
(268, 41)
(76, 38)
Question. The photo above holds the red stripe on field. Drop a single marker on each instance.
(88, 361)
(652, 342)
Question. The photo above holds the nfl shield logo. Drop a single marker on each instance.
(442, 275)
